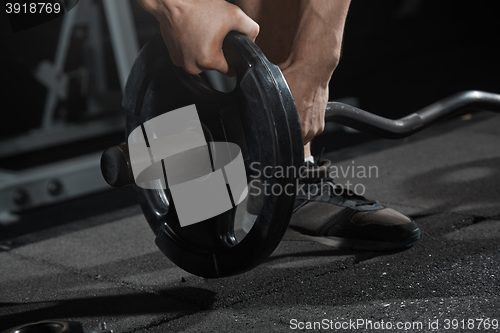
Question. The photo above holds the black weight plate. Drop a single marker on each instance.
(259, 116)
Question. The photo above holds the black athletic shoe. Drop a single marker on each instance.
(330, 214)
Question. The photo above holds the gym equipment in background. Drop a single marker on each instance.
(75, 92)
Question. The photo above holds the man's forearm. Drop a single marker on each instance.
(318, 39)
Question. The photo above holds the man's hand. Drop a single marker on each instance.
(314, 55)
(194, 31)
(304, 37)
(311, 97)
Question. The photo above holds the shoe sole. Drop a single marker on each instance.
(364, 245)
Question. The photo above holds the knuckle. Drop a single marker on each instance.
(192, 69)
(237, 13)
(205, 62)
(149, 5)
(256, 30)
(205, 58)
(320, 130)
(321, 127)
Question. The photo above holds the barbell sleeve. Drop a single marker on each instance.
(116, 167)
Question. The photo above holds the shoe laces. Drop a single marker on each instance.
(318, 175)
(346, 193)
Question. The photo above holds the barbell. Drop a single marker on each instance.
(259, 115)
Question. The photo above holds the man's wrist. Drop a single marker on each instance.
(318, 70)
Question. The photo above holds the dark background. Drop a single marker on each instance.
(397, 61)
